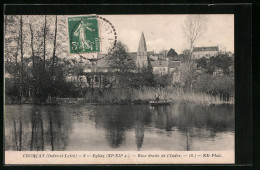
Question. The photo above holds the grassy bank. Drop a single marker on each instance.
(147, 94)
(136, 96)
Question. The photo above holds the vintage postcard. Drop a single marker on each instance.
(119, 89)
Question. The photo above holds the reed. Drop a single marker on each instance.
(144, 95)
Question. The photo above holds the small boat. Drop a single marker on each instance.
(160, 102)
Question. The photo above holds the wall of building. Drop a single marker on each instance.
(160, 70)
(200, 54)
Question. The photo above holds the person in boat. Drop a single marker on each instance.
(157, 97)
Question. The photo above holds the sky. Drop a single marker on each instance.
(162, 32)
(165, 31)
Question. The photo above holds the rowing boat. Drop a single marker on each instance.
(160, 102)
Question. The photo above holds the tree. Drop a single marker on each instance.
(162, 80)
(21, 68)
(187, 73)
(220, 61)
(119, 60)
(144, 77)
(121, 63)
(202, 62)
(194, 27)
(44, 41)
(163, 52)
(54, 44)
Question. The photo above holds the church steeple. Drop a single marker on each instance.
(142, 43)
(141, 59)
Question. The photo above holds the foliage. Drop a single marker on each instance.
(119, 60)
(216, 62)
(220, 61)
(214, 84)
(202, 62)
(162, 80)
(38, 83)
(187, 73)
(121, 63)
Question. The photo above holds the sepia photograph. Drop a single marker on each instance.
(119, 83)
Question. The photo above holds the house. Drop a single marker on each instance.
(173, 56)
(98, 70)
(154, 57)
(199, 52)
(160, 67)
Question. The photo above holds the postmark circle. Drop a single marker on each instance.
(89, 35)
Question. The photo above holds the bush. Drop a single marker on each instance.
(214, 84)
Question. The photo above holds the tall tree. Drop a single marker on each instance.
(21, 48)
(188, 74)
(44, 41)
(54, 44)
(121, 63)
(16, 55)
(194, 27)
(119, 60)
(32, 44)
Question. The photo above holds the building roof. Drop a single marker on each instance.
(150, 53)
(172, 53)
(174, 64)
(213, 48)
(102, 63)
(159, 63)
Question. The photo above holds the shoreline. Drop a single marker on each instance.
(132, 96)
(137, 102)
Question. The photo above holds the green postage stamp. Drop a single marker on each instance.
(83, 34)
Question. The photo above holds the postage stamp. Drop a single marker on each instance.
(83, 34)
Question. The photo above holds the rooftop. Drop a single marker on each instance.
(172, 53)
(174, 64)
(159, 63)
(213, 48)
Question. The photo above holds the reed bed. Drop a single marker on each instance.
(146, 94)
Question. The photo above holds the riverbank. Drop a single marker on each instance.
(136, 96)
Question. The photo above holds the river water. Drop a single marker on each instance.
(119, 127)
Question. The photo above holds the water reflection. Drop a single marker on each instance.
(37, 137)
(36, 128)
(119, 127)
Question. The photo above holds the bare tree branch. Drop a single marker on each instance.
(194, 27)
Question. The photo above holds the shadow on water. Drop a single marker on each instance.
(181, 127)
(121, 119)
(37, 128)
(37, 137)
(204, 122)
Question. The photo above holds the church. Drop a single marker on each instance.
(161, 63)
(96, 70)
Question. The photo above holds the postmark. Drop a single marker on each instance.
(90, 35)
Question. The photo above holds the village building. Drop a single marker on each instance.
(160, 67)
(97, 70)
(207, 52)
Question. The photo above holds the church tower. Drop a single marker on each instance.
(141, 58)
